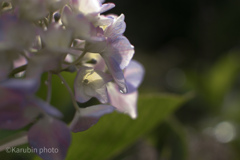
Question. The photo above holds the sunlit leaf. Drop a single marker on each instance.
(116, 131)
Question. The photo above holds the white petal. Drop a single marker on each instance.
(55, 38)
(95, 61)
(87, 6)
(102, 94)
(126, 103)
(82, 27)
(79, 88)
(90, 83)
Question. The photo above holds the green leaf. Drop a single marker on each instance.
(116, 131)
(219, 79)
(170, 140)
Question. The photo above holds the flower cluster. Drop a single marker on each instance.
(54, 36)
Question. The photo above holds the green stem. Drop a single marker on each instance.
(14, 141)
(44, 22)
(50, 18)
(79, 58)
(17, 70)
(49, 87)
(70, 92)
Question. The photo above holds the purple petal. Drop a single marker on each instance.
(74, 2)
(7, 96)
(80, 94)
(101, 1)
(116, 72)
(15, 34)
(117, 28)
(5, 67)
(134, 74)
(43, 62)
(50, 134)
(14, 116)
(126, 103)
(121, 50)
(46, 107)
(107, 6)
(96, 110)
(15, 111)
(22, 85)
(89, 116)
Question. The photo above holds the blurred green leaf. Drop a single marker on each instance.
(116, 131)
(219, 79)
(60, 95)
(6, 133)
(170, 140)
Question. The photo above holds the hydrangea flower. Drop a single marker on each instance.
(55, 36)
(116, 50)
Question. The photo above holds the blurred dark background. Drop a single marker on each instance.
(190, 46)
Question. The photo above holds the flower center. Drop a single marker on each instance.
(86, 81)
(93, 79)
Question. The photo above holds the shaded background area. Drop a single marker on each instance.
(189, 46)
